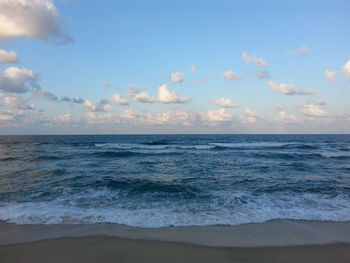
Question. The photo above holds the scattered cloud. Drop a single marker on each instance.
(313, 109)
(250, 116)
(118, 99)
(78, 100)
(177, 77)
(202, 80)
(263, 75)
(15, 102)
(285, 117)
(298, 51)
(8, 57)
(32, 18)
(165, 95)
(330, 75)
(133, 90)
(193, 68)
(65, 98)
(221, 115)
(346, 70)
(65, 118)
(231, 75)
(43, 94)
(144, 97)
(288, 89)
(224, 103)
(129, 114)
(257, 61)
(105, 84)
(18, 80)
(91, 106)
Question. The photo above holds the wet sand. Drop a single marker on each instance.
(274, 241)
(112, 249)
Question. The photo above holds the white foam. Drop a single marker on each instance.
(224, 208)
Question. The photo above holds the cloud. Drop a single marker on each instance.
(78, 100)
(346, 70)
(129, 114)
(224, 103)
(166, 95)
(193, 68)
(41, 93)
(202, 80)
(144, 97)
(105, 84)
(65, 98)
(133, 90)
(91, 106)
(32, 18)
(8, 57)
(230, 75)
(330, 75)
(257, 61)
(118, 99)
(15, 102)
(312, 109)
(18, 80)
(298, 51)
(288, 89)
(177, 77)
(263, 75)
(6, 117)
(221, 115)
(65, 118)
(286, 118)
(250, 116)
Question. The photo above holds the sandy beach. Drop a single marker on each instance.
(273, 241)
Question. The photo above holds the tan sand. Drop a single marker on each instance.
(272, 233)
(111, 249)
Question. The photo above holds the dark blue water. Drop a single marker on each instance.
(163, 180)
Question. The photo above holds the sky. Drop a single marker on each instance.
(158, 66)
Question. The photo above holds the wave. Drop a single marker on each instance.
(223, 208)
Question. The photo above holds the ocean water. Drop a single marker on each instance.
(174, 180)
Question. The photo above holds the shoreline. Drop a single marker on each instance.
(274, 233)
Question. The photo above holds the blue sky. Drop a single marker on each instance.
(69, 48)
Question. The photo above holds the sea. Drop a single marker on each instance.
(174, 180)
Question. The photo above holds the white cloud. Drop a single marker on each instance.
(105, 84)
(65, 98)
(15, 102)
(330, 75)
(31, 18)
(298, 51)
(8, 57)
(6, 117)
(288, 89)
(90, 105)
(220, 115)
(65, 118)
(176, 77)
(231, 75)
(117, 99)
(144, 97)
(312, 109)
(286, 117)
(18, 80)
(193, 68)
(225, 103)
(257, 61)
(346, 70)
(165, 95)
(129, 114)
(263, 75)
(250, 116)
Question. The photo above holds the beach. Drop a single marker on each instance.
(273, 241)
